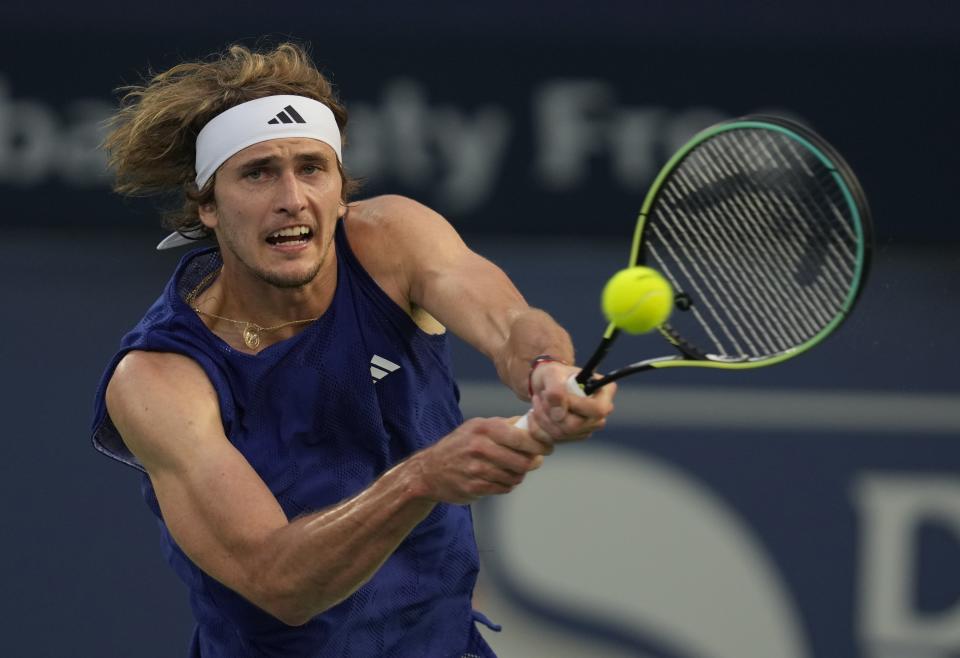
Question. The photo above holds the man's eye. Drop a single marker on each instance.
(253, 174)
(311, 169)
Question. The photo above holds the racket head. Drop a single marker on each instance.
(765, 234)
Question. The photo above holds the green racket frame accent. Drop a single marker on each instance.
(854, 198)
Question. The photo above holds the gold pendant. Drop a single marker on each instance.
(251, 336)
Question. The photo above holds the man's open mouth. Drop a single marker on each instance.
(291, 235)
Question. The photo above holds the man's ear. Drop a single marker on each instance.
(208, 215)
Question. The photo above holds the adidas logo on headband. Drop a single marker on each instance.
(287, 115)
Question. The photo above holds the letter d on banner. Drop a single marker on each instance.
(891, 509)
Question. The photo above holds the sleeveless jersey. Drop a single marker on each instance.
(319, 417)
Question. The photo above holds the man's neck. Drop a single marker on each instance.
(238, 297)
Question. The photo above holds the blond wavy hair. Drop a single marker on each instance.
(151, 140)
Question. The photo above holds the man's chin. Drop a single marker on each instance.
(287, 273)
(282, 279)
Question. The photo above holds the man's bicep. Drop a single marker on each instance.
(475, 299)
(463, 290)
(420, 261)
(479, 303)
(157, 401)
(217, 508)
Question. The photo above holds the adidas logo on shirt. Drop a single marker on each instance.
(287, 115)
(381, 367)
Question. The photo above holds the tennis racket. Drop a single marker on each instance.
(764, 233)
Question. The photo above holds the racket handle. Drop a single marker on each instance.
(572, 387)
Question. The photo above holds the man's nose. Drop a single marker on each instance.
(290, 197)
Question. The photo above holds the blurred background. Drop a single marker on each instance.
(807, 510)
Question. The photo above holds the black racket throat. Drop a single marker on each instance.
(587, 379)
(596, 384)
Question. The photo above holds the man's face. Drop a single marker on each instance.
(275, 209)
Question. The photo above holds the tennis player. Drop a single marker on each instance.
(289, 396)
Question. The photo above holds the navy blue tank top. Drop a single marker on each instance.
(319, 417)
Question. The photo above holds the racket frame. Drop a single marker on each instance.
(853, 195)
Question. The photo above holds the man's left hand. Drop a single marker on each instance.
(559, 415)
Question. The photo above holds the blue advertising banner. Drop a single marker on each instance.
(509, 134)
(741, 541)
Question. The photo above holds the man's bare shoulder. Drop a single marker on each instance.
(394, 237)
(391, 215)
(155, 396)
(141, 368)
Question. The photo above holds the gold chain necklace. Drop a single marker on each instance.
(249, 331)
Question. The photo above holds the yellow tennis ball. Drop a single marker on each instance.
(637, 299)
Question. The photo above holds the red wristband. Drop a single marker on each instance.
(536, 361)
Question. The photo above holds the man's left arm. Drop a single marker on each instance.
(477, 301)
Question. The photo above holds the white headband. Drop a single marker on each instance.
(260, 120)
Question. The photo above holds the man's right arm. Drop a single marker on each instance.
(223, 516)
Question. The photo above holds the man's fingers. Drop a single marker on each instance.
(573, 426)
(511, 461)
(562, 415)
(597, 405)
(501, 443)
(525, 441)
(555, 395)
(552, 388)
(541, 425)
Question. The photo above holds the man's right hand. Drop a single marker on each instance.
(482, 457)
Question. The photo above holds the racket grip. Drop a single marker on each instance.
(572, 387)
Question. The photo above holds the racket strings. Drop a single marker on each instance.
(775, 291)
(703, 300)
(754, 204)
(822, 246)
(728, 238)
(720, 281)
(825, 183)
(767, 305)
(786, 194)
(821, 230)
(756, 230)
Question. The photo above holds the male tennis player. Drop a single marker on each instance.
(289, 396)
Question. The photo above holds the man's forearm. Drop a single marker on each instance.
(319, 560)
(532, 332)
